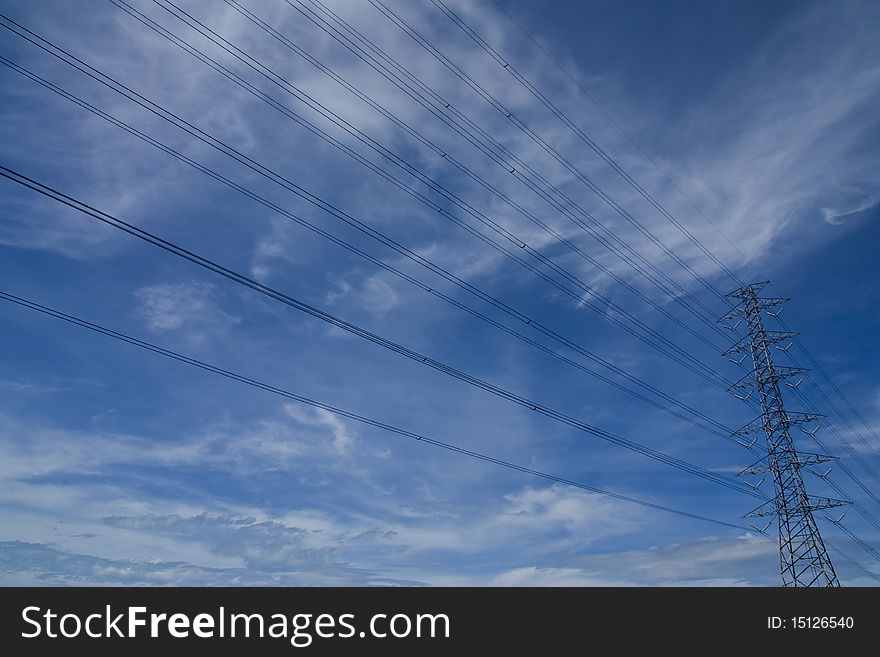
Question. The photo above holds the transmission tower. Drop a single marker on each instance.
(804, 561)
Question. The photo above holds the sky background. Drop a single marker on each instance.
(122, 467)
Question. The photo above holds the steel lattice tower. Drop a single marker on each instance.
(804, 560)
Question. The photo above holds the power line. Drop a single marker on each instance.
(438, 106)
(508, 114)
(355, 49)
(718, 428)
(445, 213)
(238, 53)
(845, 398)
(860, 508)
(390, 345)
(520, 78)
(854, 453)
(286, 86)
(390, 428)
(862, 511)
(347, 414)
(443, 59)
(451, 109)
(843, 443)
(839, 413)
(870, 549)
(586, 94)
(444, 155)
(588, 141)
(704, 370)
(812, 360)
(852, 561)
(460, 123)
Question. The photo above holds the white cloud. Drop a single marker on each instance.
(297, 439)
(539, 521)
(535, 576)
(838, 215)
(274, 553)
(374, 295)
(582, 517)
(190, 307)
(796, 139)
(61, 508)
(741, 561)
(801, 117)
(343, 437)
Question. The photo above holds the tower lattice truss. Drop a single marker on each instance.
(803, 558)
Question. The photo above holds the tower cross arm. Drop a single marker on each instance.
(768, 508)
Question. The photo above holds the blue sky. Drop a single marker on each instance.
(121, 467)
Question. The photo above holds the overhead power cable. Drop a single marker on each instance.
(855, 432)
(809, 356)
(844, 443)
(576, 171)
(851, 451)
(840, 465)
(360, 48)
(599, 106)
(390, 345)
(416, 88)
(73, 203)
(519, 77)
(442, 154)
(852, 561)
(716, 427)
(385, 426)
(496, 151)
(493, 101)
(463, 25)
(867, 547)
(587, 294)
(860, 508)
(679, 355)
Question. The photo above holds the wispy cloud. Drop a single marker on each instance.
(743, 559)
(183, 307)
(375, 295)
